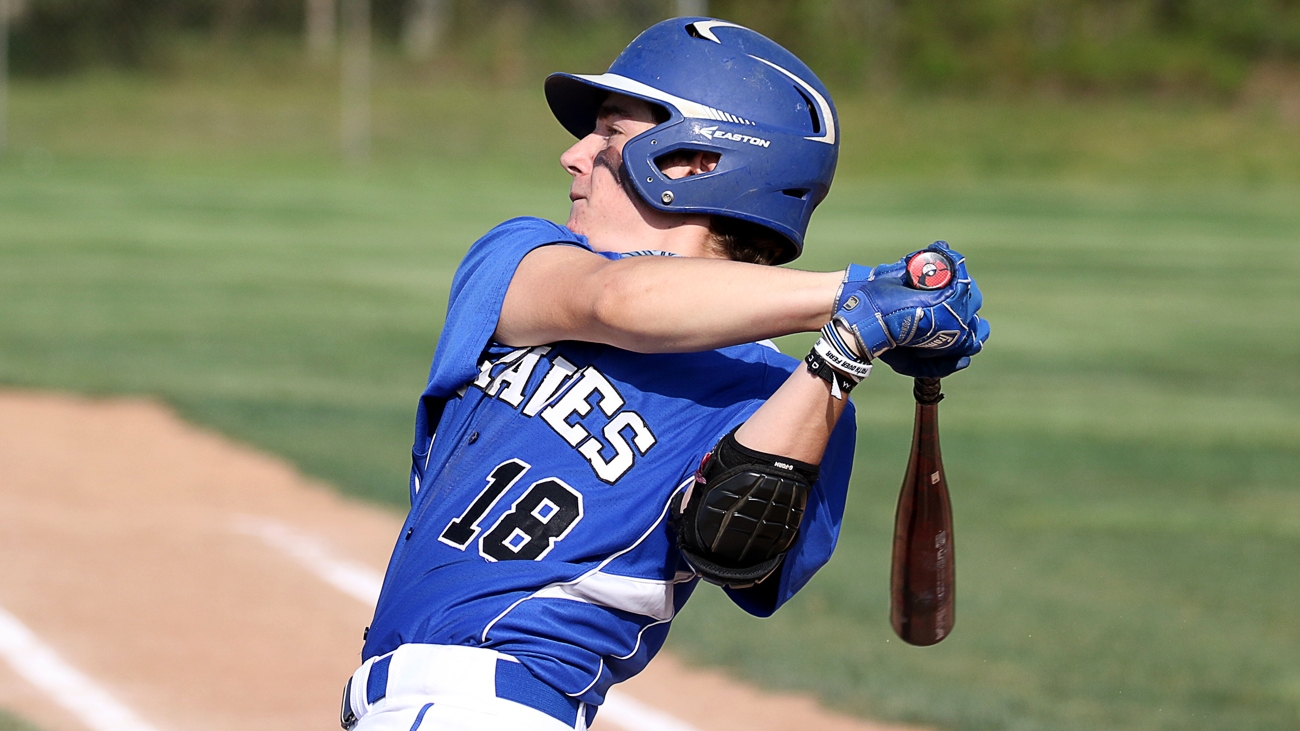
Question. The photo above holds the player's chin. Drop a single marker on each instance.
(575, 221)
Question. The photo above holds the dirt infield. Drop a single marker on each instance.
(124, 548)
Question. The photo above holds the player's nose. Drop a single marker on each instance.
(578, 159)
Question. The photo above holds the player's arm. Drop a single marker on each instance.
(743, 513)
(654, 304)
(796, 421)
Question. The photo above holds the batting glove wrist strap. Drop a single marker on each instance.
(833, 360)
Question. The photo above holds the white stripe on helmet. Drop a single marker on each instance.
(705, 28)
(687, 107)
(823, 106)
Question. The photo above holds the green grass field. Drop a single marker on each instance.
(10, 722)
(1123, 456)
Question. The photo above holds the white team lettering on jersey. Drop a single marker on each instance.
(565, 399)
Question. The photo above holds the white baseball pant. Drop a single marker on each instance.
(449, 688)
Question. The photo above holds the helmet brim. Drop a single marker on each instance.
(576, 98)
(574, 101)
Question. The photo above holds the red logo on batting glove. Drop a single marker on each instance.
(929, 270)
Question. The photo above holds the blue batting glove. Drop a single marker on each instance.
(923, 363)
(939, 329)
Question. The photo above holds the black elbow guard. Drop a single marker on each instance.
(743, 513)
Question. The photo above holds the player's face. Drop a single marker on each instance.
(603, 210)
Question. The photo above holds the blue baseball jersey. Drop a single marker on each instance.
(540, 486)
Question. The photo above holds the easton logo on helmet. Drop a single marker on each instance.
(712, 132)
(929, 270)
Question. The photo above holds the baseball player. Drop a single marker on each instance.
(605, 422)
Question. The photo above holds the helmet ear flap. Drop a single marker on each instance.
(777, 193)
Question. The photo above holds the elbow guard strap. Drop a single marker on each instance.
(743, 513)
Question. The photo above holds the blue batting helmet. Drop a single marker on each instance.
(727, 90)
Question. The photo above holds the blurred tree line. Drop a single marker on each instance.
(1208, 46)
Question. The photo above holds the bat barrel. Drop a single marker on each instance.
(922, 577)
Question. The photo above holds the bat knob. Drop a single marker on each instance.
(929, 270)
(927, 390)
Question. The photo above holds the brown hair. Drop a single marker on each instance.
(738, 240)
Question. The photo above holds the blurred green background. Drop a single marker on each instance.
(176, 221)
(9, 722)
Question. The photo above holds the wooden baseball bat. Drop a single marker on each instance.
(922, 578)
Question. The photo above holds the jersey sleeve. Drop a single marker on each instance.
(820, 529)
(477, 293)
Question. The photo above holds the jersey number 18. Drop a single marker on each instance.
(538, 520)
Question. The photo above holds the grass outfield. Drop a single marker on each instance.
(1123, 457)
(10, 722)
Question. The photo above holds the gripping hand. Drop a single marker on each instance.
(917, 332)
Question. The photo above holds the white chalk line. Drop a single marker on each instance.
(67, 686)
(363, 583)
(350, 577)
(634, 715)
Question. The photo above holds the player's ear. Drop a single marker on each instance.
(684, 163)
(705, 162)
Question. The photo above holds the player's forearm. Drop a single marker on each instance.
(700, 304)
(797, 420)
(654, 304)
